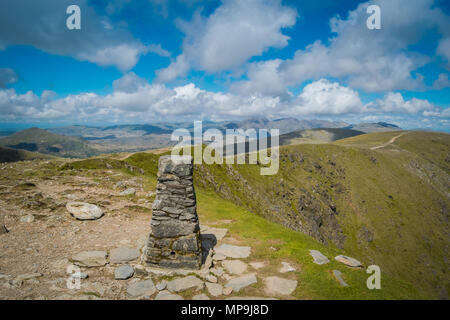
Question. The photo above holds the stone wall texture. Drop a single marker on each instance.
(174, 240)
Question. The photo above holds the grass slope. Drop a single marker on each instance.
(13, 155)
(387, 207)
(42, 141)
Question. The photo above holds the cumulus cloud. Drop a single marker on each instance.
(232, 34)
(394, 103)
(42, 24)
(136, 100)
(325, 97)
(372, 60)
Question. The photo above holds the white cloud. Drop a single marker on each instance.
(325, 97)
(42, 24)
(372, 60)
(135, 100)
(232, 34)
(177, 68)
(394, 103)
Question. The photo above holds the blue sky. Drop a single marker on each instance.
(171, 60)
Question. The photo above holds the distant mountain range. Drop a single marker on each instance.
(84, 141)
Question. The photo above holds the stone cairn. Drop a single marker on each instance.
(174, 240)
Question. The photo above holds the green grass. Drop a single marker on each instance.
(399, 193)
(315, 282)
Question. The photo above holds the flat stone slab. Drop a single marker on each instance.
(318, 257)
(338, 275)
(90, 258)
(219, 233)
(200, 296)
(232, 251)
(286, 267)
(141, 288)
(279, 286)
(185, 283)
(348, 261)
(123, 272)
(214, 289)
(241, 282)
(84, 211)
(258, 265)
(166, 295)
(235, 266)
(119, 255)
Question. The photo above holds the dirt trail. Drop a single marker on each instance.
(389, 142)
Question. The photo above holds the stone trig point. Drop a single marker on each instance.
(174, 241)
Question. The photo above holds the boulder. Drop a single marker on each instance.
(84, 211)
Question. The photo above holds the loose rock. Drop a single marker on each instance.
(351, 262)
(27, 219)
(338, 275)
(286, 267)
(129, 191)
(318, 257)
(123, 272)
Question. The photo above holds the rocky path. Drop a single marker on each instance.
(51, 245)
(391, 141)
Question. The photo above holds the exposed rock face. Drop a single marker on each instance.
(174, 241)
